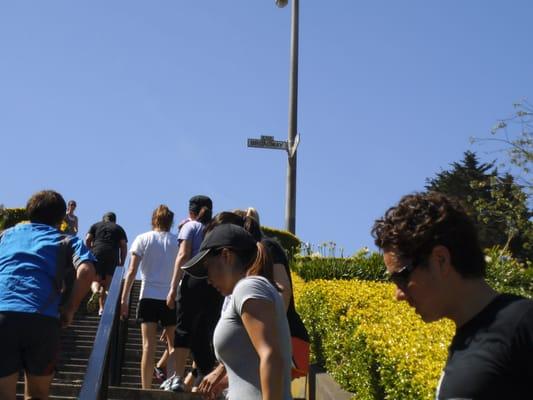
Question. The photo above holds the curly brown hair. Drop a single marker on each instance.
(421, 221)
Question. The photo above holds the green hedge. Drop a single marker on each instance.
(373, 345)
(504, 273)
(11, 216)
(363, 265)
(288, 241)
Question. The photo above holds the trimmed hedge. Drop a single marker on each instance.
(11, 216)
(374, 346)
(288, 241)
(363, 265)
(504, 273)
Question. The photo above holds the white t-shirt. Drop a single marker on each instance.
(158, 251)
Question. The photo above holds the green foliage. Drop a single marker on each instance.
(496, 203)
(11, 216)
(507, 207)
(374, 346)
(363, 265)
(506, 274)
(288, 241)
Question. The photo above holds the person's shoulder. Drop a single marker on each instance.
(145, 236)
(192, 226)
(195, 224)
(252, 284)
(96, 226)
(514, 302)
(509, 308)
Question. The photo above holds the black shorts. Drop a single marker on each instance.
(28, 342)
(198, 304)
(105, 264)
(152, 310)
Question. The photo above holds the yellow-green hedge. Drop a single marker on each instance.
(288, 241)
(374, 346)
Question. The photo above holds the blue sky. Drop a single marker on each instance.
(124, 105)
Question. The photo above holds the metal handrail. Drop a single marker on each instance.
(107, 354)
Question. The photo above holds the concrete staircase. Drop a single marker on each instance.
(130, 382)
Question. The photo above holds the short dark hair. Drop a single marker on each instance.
(46, 207)
(421, 221)
(110, 217)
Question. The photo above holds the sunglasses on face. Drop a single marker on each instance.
(401, 277)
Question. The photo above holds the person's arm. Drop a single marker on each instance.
(282, 279)
(89, 241)
(128, 283)
(184, 255)
(123, 252)
(75, 224)
(259, 320)
(85, 274)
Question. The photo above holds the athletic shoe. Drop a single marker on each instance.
(166, 384)
(177, 385)
(92, 304)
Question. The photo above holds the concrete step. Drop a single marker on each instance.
(116, 393)
(58, 390)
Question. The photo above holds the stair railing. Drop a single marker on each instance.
(106, 358)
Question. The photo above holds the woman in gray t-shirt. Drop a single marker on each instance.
(252, 337)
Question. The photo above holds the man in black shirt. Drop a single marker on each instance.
(432, 254)
(108, 242)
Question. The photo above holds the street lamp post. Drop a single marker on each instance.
(291, 145)
(290, 200)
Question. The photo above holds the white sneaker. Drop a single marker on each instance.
(177, 384)
(166, 384)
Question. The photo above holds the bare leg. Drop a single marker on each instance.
(103, 289)
(163, 361)
(37, 387)
(148, 330)
(181, 354)
(8, 387)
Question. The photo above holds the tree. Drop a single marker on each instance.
(515, 134)
(496, 203)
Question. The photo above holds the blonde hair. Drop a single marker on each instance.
(249, 212)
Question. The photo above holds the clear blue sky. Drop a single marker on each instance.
(123, 105)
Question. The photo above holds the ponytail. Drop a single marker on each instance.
(262, 265)
(204, 215)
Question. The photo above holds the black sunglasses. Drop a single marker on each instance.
(401, 277)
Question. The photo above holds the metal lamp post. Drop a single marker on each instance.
(290, 202)
(293, 138)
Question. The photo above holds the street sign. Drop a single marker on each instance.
(268, 142)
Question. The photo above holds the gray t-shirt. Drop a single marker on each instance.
(234, 348)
